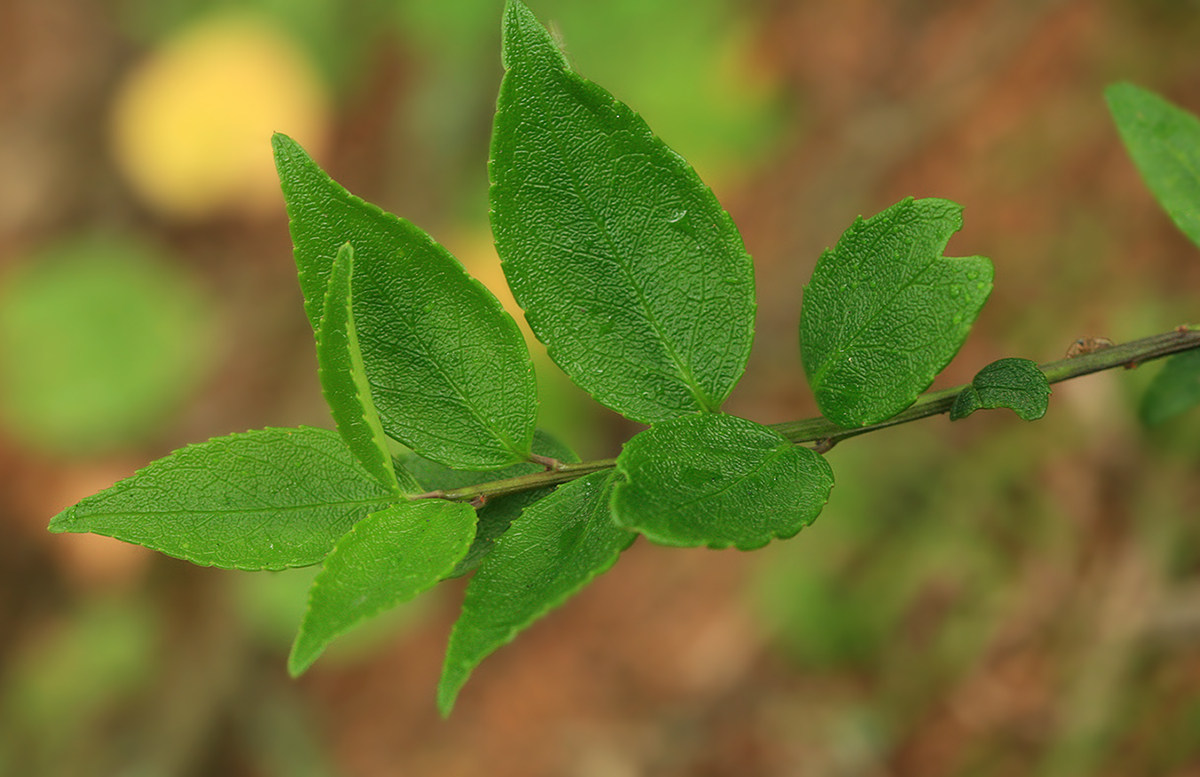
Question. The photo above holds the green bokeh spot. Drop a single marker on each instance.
(99, 342)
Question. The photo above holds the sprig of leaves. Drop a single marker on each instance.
(637, 281)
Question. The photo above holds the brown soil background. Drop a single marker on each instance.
(1086, 660)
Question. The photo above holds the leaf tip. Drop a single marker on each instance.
(303, 655)
(523, 37)
(447, 692)
(63, 522)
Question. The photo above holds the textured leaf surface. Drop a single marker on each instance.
(551, 551)
(266, 499)
(885, 312)
(720, 481)
(449, 372)
(1174, 390)
(498, 512)
(626, 265)
(387, 558)
(343, 380)
(1164, 141)
(1017, 384)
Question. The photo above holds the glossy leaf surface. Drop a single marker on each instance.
(885, 312)
(1164, 141)
(266, 499)
(1017, 384)
(387, 558)
(343, 379)
(550, 552)
(498, 512)
(448, 369)
(720, 481)
(623, 260)
(1174, 390)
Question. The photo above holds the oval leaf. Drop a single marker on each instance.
(387, 558)
(498, 512)
(343, 380)
(885, 312)
(1164, 141)
(1174, 390)
(720, 481)
(555, 548)
(1017, 384)
(266, 499)
(626, 265)
(448, 369)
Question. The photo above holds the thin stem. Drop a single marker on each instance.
(826, 434)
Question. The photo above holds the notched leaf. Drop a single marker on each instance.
(885, 312)
(1017, 384)
(720, 481)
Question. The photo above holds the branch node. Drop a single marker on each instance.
(551, 464)
(825, 445)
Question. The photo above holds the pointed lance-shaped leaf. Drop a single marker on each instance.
(554, 549)
(343, 379)
(885, 312)
(1164, 141)
(626, 265)
(717, 480)
(1017, 384)
(267, 499)
(387, 558)
(448, 369)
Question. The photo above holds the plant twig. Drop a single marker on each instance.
(826, 434)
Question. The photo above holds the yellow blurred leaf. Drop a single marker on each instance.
(192, 123)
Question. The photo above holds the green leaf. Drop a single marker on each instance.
(626, 265)
(343, 379)
(1017, 384)
(1174, 390)
(718, 480)
(885, 312)
(495, 516)
(266, 499)
(555, 548)
(1164, 141)
(387, 558)
(448, 369)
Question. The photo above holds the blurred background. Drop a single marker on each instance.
(987, 598)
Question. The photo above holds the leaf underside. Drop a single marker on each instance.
(448, 370)
(387, 558)
(885, 312)
(268, 499)
(720, 481)
(552, 550)
(1164, 141)
(1016, 384)
(626, 265)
